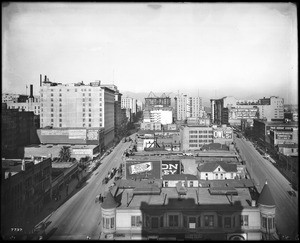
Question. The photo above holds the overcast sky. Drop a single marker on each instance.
(214, 50)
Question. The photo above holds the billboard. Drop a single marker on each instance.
(222, 133)
(92, 135)
(170, 167)
(142, 169)
(77, 134)
(53, 132)
(284, 136)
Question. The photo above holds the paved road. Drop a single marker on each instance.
(261, 170)
(80, 216)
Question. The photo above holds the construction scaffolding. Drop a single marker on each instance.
(152, 100)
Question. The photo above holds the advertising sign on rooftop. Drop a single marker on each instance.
(170, 167)
(77, 134)
(142, 170)
(92, 135)
(222, 133)
(53, 132)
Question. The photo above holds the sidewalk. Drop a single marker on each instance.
(52, 205)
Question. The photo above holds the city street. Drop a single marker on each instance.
(80, 217)
(261, 170)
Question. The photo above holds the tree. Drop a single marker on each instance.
(65, 153)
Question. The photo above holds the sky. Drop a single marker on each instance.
(245, 50)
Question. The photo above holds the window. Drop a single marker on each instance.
(192, 222)
(112, 223)
(219, 221)
(264, 222)
(244, 220)
(136, 221)
(227, 222)
(209, 221)
(173, 220)
(154, 222)
(161, 221)
(191, 183)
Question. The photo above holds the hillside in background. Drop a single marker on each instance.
(143, 95)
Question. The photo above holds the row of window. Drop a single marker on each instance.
(200, 131)
(209, 221)
(200, 141)
(201, 136)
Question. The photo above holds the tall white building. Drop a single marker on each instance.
(271, 108)
(129, 103)
(188, 107)
(77, 105)
(163, 116)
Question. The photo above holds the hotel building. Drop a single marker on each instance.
(78, 106)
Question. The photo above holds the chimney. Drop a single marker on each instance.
(23, 165)
(253, 203)
(45, 78)
(31, 91)
(41, 80)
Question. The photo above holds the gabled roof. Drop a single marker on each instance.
(180, 177)
(109, 201)
(265, 197)
(211, 166)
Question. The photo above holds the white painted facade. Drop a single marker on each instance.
(218, 174)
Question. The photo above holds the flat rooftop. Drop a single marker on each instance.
(194, 198)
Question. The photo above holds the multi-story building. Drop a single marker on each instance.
(119, 113)
(25, 187)
(129, 103)
(139, 105)
(275, 132)
(188, 107)
(17, 130)
(78, 106)
(30, 104)
(229, 110)
(271, 108)
(161, 115)
(7, 97)
(194, 137)
(152, 101)
(160, 210)
(151, 126)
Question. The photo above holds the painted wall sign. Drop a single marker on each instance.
(170, 167)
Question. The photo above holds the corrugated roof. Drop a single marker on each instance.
(265, 197)
(109, 201)
(211, 166)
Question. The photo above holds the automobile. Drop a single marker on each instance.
(105, 180)
(292, 193)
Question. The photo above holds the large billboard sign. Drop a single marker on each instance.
(218, 133)
(92, 135)
(138, 168)
(77, 134)
(170, 167)
(284, 136)
(143, 169)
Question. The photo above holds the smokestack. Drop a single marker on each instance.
(45, 78)
(31, 91)
(41, 80)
